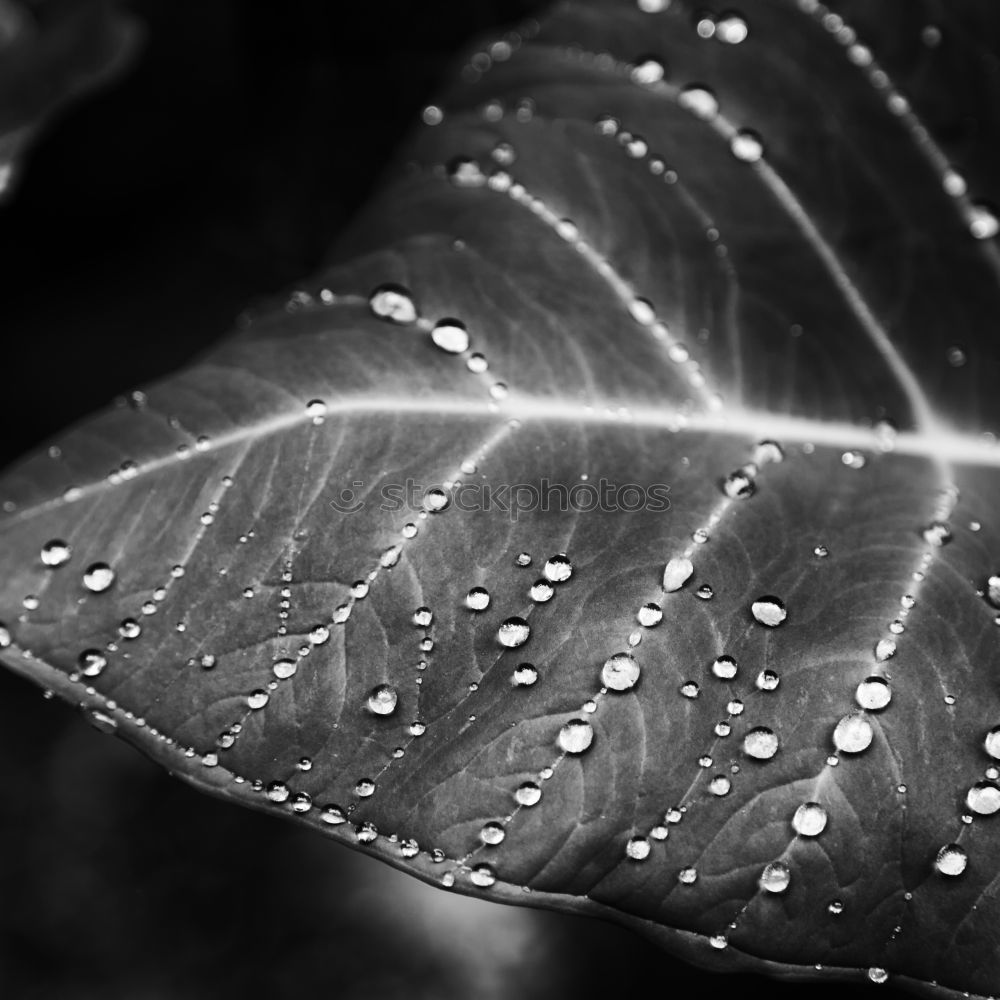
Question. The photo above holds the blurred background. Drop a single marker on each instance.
(215, 171)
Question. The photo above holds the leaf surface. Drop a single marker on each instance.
(646, 300)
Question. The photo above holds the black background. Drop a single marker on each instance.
(216, 172)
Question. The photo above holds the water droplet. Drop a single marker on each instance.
(648, 71)
(257, 699)
(541, 591)
(875, 974)
(522, 559)
(642, 311)
(394, 303)
(956, 357)
(835, 907)
(821, 551)
(637, 848)
(653, 6)
(576, 736)
(760, 743)
(704, 592)
(676, 573)
(382, 700)
(937, 533)
(301, 802)
(366, 833)
(983, 798)
(284, 668)
(465, 172)
(92, 662)
(451, 336)
(129, 628)
(853, 459)
(56, 553)
(504, 154)
(720, 785)
(483, 876)
(277, 791)
(513, 632)
(767, 680)
(423, 617)
(992, 743)
(768, 453)
(478, 599)
(409, 849)
(316, 409)
(525, 675)
(746, 145)
(492, 834)
(365, 788)
(853, 734)
(731, 29)
(528, 794)
(689, 689)
(809, 819)
(885, 649)
(98, 577)
(951, 860)
(650, 615)
(739, 485)
(775, 877)
(769, 611)
(319, 634)
(687, 876)
(700, 101)
(417, 729)
(390, 556)
(558, 569)
(620, 672)
(873, 694)
(983, 222)
(724, 668)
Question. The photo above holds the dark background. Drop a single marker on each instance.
(216, 172)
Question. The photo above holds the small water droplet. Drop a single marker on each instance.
(56, 553)
(257, 699)
(767, 680)
(739, 485)
(769, 611)
(983, 798)
(885, 649)
(620, 672)
(576, 736)
(465, 172)
(775, 877)
(92, 662)
(853, 734)
(690, 689)
(98, 577)
(809, 820)
(366, 833)
(854, 459)
(541, 591)
(393, 303)
(382, 700)
(650, 614)
(700, 101)
(637, 848)
(483, 876)
(747, 146)
(760, 743)
(513, 632)
(873, 694)
(835, 907)
(277, 791)
(558, 568)
(821, 551)
(983, 222)
(648, 71)
(492, 834)
(937, 533)
(316, 409)
(528, 794)
(365, 788)
(129, 628)
(423, 617)
(687, 876)
(724, 668)
(720, 785)
(451, 336)
(525, 675)
(731, 29)
(876, 974)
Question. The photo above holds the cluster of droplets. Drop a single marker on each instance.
(981, 219)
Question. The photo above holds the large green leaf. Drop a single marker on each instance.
(649, 293)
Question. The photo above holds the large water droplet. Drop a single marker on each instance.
(98, 577)
(951, 860)
(451, 336)
(56, 553)
(650, 614)
(873, 693)
(724, 668)
(513, 632)
(576, 736)
(876, 973)
(541, 591)
(885, 649)
(983, 798)
(277, 791)
(284, 668)
(853, 734)
(394, 303)
(528, 794)
(478, 599)
(809, 819)
(775, 877)
(731, 29)
(492, 834)
(558, 569)
(382, 700)
(760, 743)
(700, 101)
(676, 573)
(767, 680)
(620, 672)
(769, 611)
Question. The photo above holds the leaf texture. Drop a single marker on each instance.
(667, 243)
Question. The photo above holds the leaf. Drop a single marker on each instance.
(50, 53)
(652, 297)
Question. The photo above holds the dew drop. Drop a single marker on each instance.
(760, 743)
(98, 577)
(700, 101)
(648, 71)
(528, 794)
(478, 599)
(394, 303)
(513, 632)
(525, 675)
(365, 788)
(277, 791)
(767, 453)
(983, 222)
(637, 848)
(576, 736)
(853, 734)
(56, 553)
(835, 907)
(620, 672)
(284, 668)
(873, 694)
(465, 172)
(885, 649)
(451, 336)
(257, 699)
(876, 974)
(687, 876)
(642, 311)
(558, 569)
(92, 662)
(775, 877)
(853, 459)
(690, 690)
(382, 700)
(983, 798)
(676, 573)
(483, 876)
(731, 29)
(937, 533)
(316, 409)
(739, 485)
(951, 860)
(492, 834)
(720, 785)
(809, 819)
(650, 615)
(541, 591)
(992, 743)
(769, 611)
(746, 145)
(724, 668)
(423, 617)
(767, 680)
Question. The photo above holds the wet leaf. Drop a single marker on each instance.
(611, 527)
